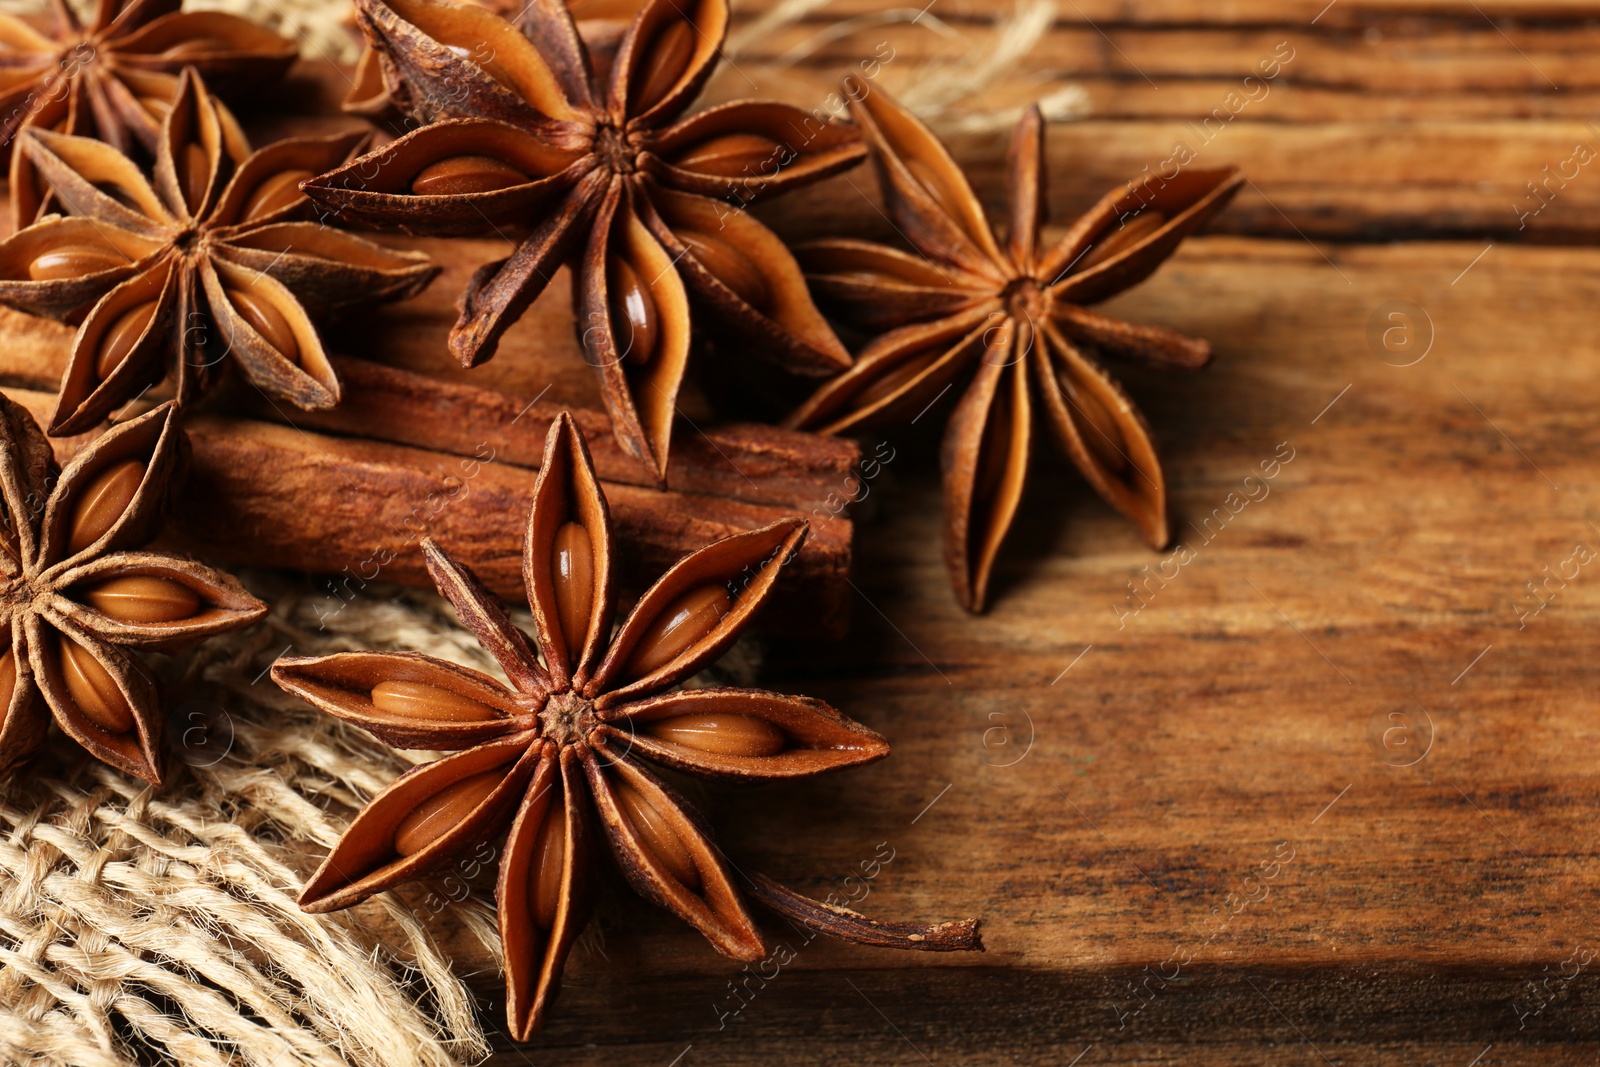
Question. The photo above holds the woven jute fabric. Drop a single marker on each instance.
(143, 926)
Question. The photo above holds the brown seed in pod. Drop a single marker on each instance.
(464, 175)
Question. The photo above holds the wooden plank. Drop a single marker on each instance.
(1238, 12)
(1097, 770)
(1392, 129)
(1340, 181)
(1220, 1017)
(1377, 173)
(1128, 96)
(1134, 98)
(1458, 61)
(1099, 784)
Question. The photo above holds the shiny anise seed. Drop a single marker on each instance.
(572, 567)
(93, 690)
(720, 733)
(485, 63)
(195, 46)
(656, 835)
(103, 502)
(685, 621)
(460, 175)
(669, 54)
(144, 598)
(418, 701)
(120, 337)
(729, 266)
(8, 676)
(156, 107)
(1125, 236)
(435, 816)
(267, 321)
(733, 155)
(862, 276)
(907, 369)
(632, 303)
(274, 194)
(74, 261)
(550, 850)
(1099, 429)
(193, 175)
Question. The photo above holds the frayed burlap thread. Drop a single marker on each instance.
(161, 927)
(940, 90)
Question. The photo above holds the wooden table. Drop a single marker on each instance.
(1330, 796)
(1325, 794)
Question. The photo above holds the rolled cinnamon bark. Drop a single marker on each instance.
(262, 494)
(742, 461)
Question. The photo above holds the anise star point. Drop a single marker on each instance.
(563, 745)
(599, 170)
(1009, 318)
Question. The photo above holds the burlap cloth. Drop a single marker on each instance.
(160, 927)
(145, 927)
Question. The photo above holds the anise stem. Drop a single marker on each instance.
(842, 924)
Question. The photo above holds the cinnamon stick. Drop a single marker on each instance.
(262, 494)
(743, 461)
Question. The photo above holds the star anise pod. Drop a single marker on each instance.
(565, 742)
(369, 85)
(208, 264)
(114, 77)
(76, 598)
(1009, 319)
(606, 175)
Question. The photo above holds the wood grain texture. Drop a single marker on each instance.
(1105, 788)
(1382, 120)
(1325, 791)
